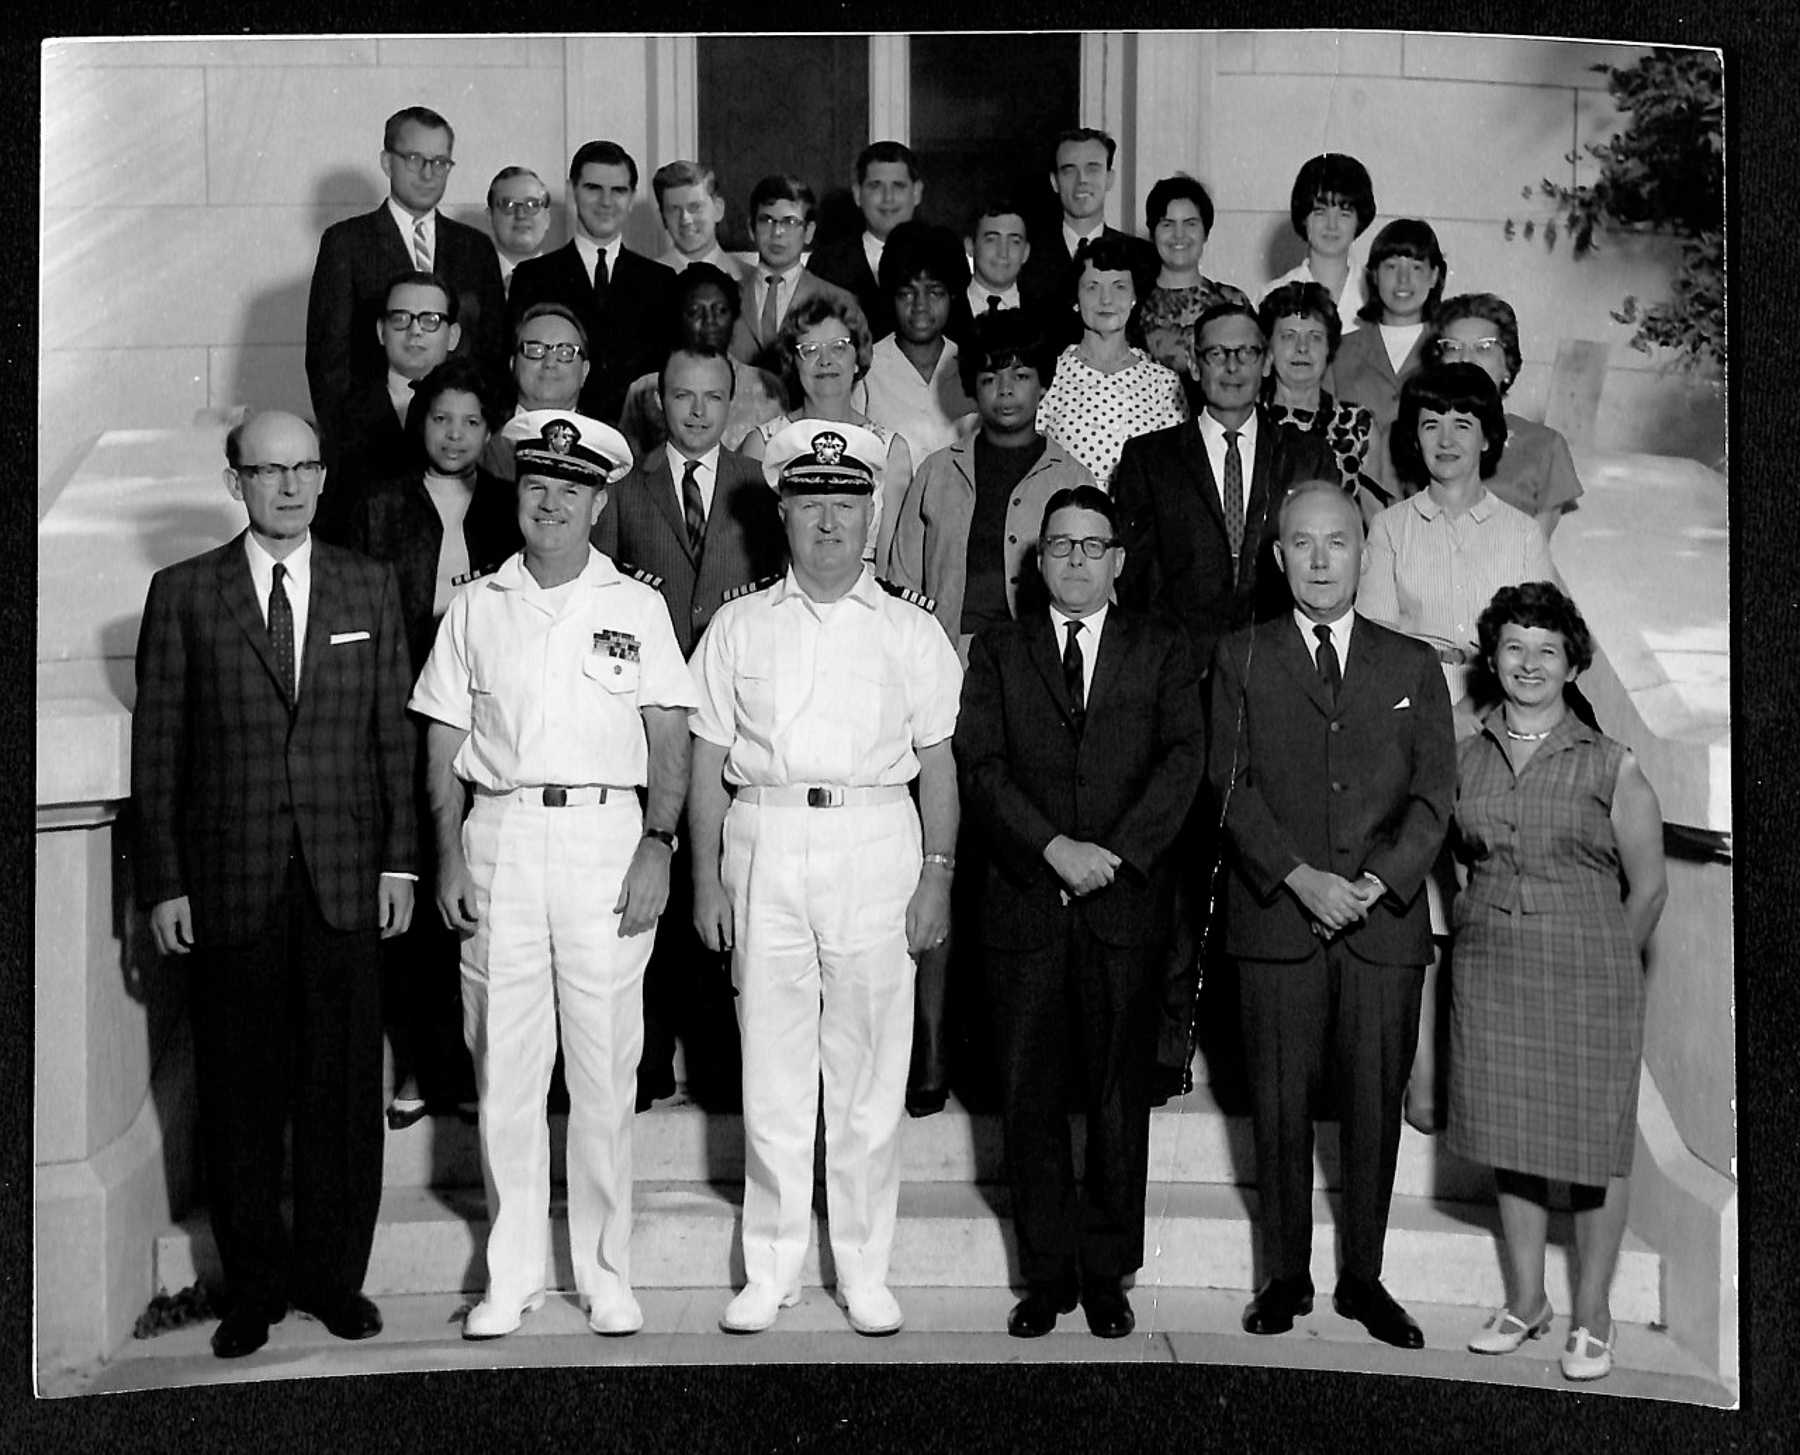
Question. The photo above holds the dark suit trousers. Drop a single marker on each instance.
(1333, 1022)
(687, 993)
(1075, 1023)
(291, 1024)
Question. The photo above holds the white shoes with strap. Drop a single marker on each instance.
(1586, 1357)
(1505, 1331)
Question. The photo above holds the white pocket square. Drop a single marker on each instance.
(339, 638)
(1403, 702)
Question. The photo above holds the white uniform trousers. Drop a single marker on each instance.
(548, 945)
(818, 898)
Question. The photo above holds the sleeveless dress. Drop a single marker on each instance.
(1547, 997)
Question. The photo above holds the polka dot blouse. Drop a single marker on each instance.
(1091, 413)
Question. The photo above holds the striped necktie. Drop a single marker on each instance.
(421, 246)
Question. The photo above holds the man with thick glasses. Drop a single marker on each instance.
(418, 330)
(271, 766)
(1080, 745)
(623, 299)
(360, 257)
(1197, 517)
(518, 205)
(783, 214)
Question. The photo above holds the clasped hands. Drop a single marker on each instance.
(1082, 867)
(1334, 902)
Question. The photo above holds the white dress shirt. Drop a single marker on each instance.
(1087, 642)
(298, 587)
(706, 477)
(400, 393)
(1340, 636)
(785, 284)
(405, 221)
(979, 293)
(873, 247)
(1212, 436)
(1073, 240)
(590, 251)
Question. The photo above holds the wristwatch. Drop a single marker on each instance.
(662, 836)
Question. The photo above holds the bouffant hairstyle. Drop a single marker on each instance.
(1333, 176)
(1179, 188)
(1001, 339)
(1445, 389)
(809, 315)
(453, 376)
(1489, 308)
(1404, 237)
(922, 249)
(1539, 604)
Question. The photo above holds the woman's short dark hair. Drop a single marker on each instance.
(1000, 339)
(811, 314)
(1332, 175)
(453, 376)
(696, 276)
(1108, 253)
(916, 248)
(1404, 237)
(1540, 604)
(1446, 389)
(1489, 308)
(1081, 497)
(1301, 300)
(1179, 188)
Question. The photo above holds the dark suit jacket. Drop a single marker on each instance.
(398, 524)
(367, 445)
(1177, 559)
(643, 526)
(224, 774)
(359, 258)
(747, 342)
(1125, 780)
(629, 335)
(1366, 785)
(846, 264)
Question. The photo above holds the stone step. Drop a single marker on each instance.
(954, 1234)
(1191, 1141)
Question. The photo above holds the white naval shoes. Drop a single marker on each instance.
(617, 1318)
(873, 1310)
(495, 1320)
(754, 1309)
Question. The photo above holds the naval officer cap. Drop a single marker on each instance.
(565, 445)
(824, 457)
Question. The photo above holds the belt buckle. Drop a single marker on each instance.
(827, 797)
(555, 796)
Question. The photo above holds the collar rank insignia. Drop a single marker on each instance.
(751, 586)
(638, 573)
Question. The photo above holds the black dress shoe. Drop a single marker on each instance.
(349, 1317)
(1372, 1306)
(1108, 1311)
(242, 1331)
(654, 1086)
(1276, 1305)
(1170, 1082)
(1035, 1315)
(926, 1102)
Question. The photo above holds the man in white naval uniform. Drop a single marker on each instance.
(555, 691)
(823, 694)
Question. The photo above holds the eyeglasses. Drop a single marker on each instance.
(812, 349)
(1216, 354)
(1059, 548)
(307, 472)
(523, 206)
(401, 319)
(425, 166)
(1452, 349)
(779, 224)
(536, 349)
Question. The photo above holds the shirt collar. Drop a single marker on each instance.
(1075, 239)
(513, 575)
(262, 565)
(867, 590)
(590, 248)
(782, 279)
(979, 293)
(1091, 625)
(1427, 505)
(1340, 632)
(1214, 432)
(405, 221)
(708, 463)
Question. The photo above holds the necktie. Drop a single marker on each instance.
(993, 303)
(421, 246)
(771, 316)
(600, 278)
(693, 508)
(1071, 666)
(1326, 657)
(281, 631)
(1234, 499)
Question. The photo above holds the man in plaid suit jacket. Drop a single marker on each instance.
(272, 780)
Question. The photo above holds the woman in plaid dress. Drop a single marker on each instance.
(1563, 837)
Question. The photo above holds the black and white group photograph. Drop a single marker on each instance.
(756, 707)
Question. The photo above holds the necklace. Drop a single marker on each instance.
(1526, 737)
